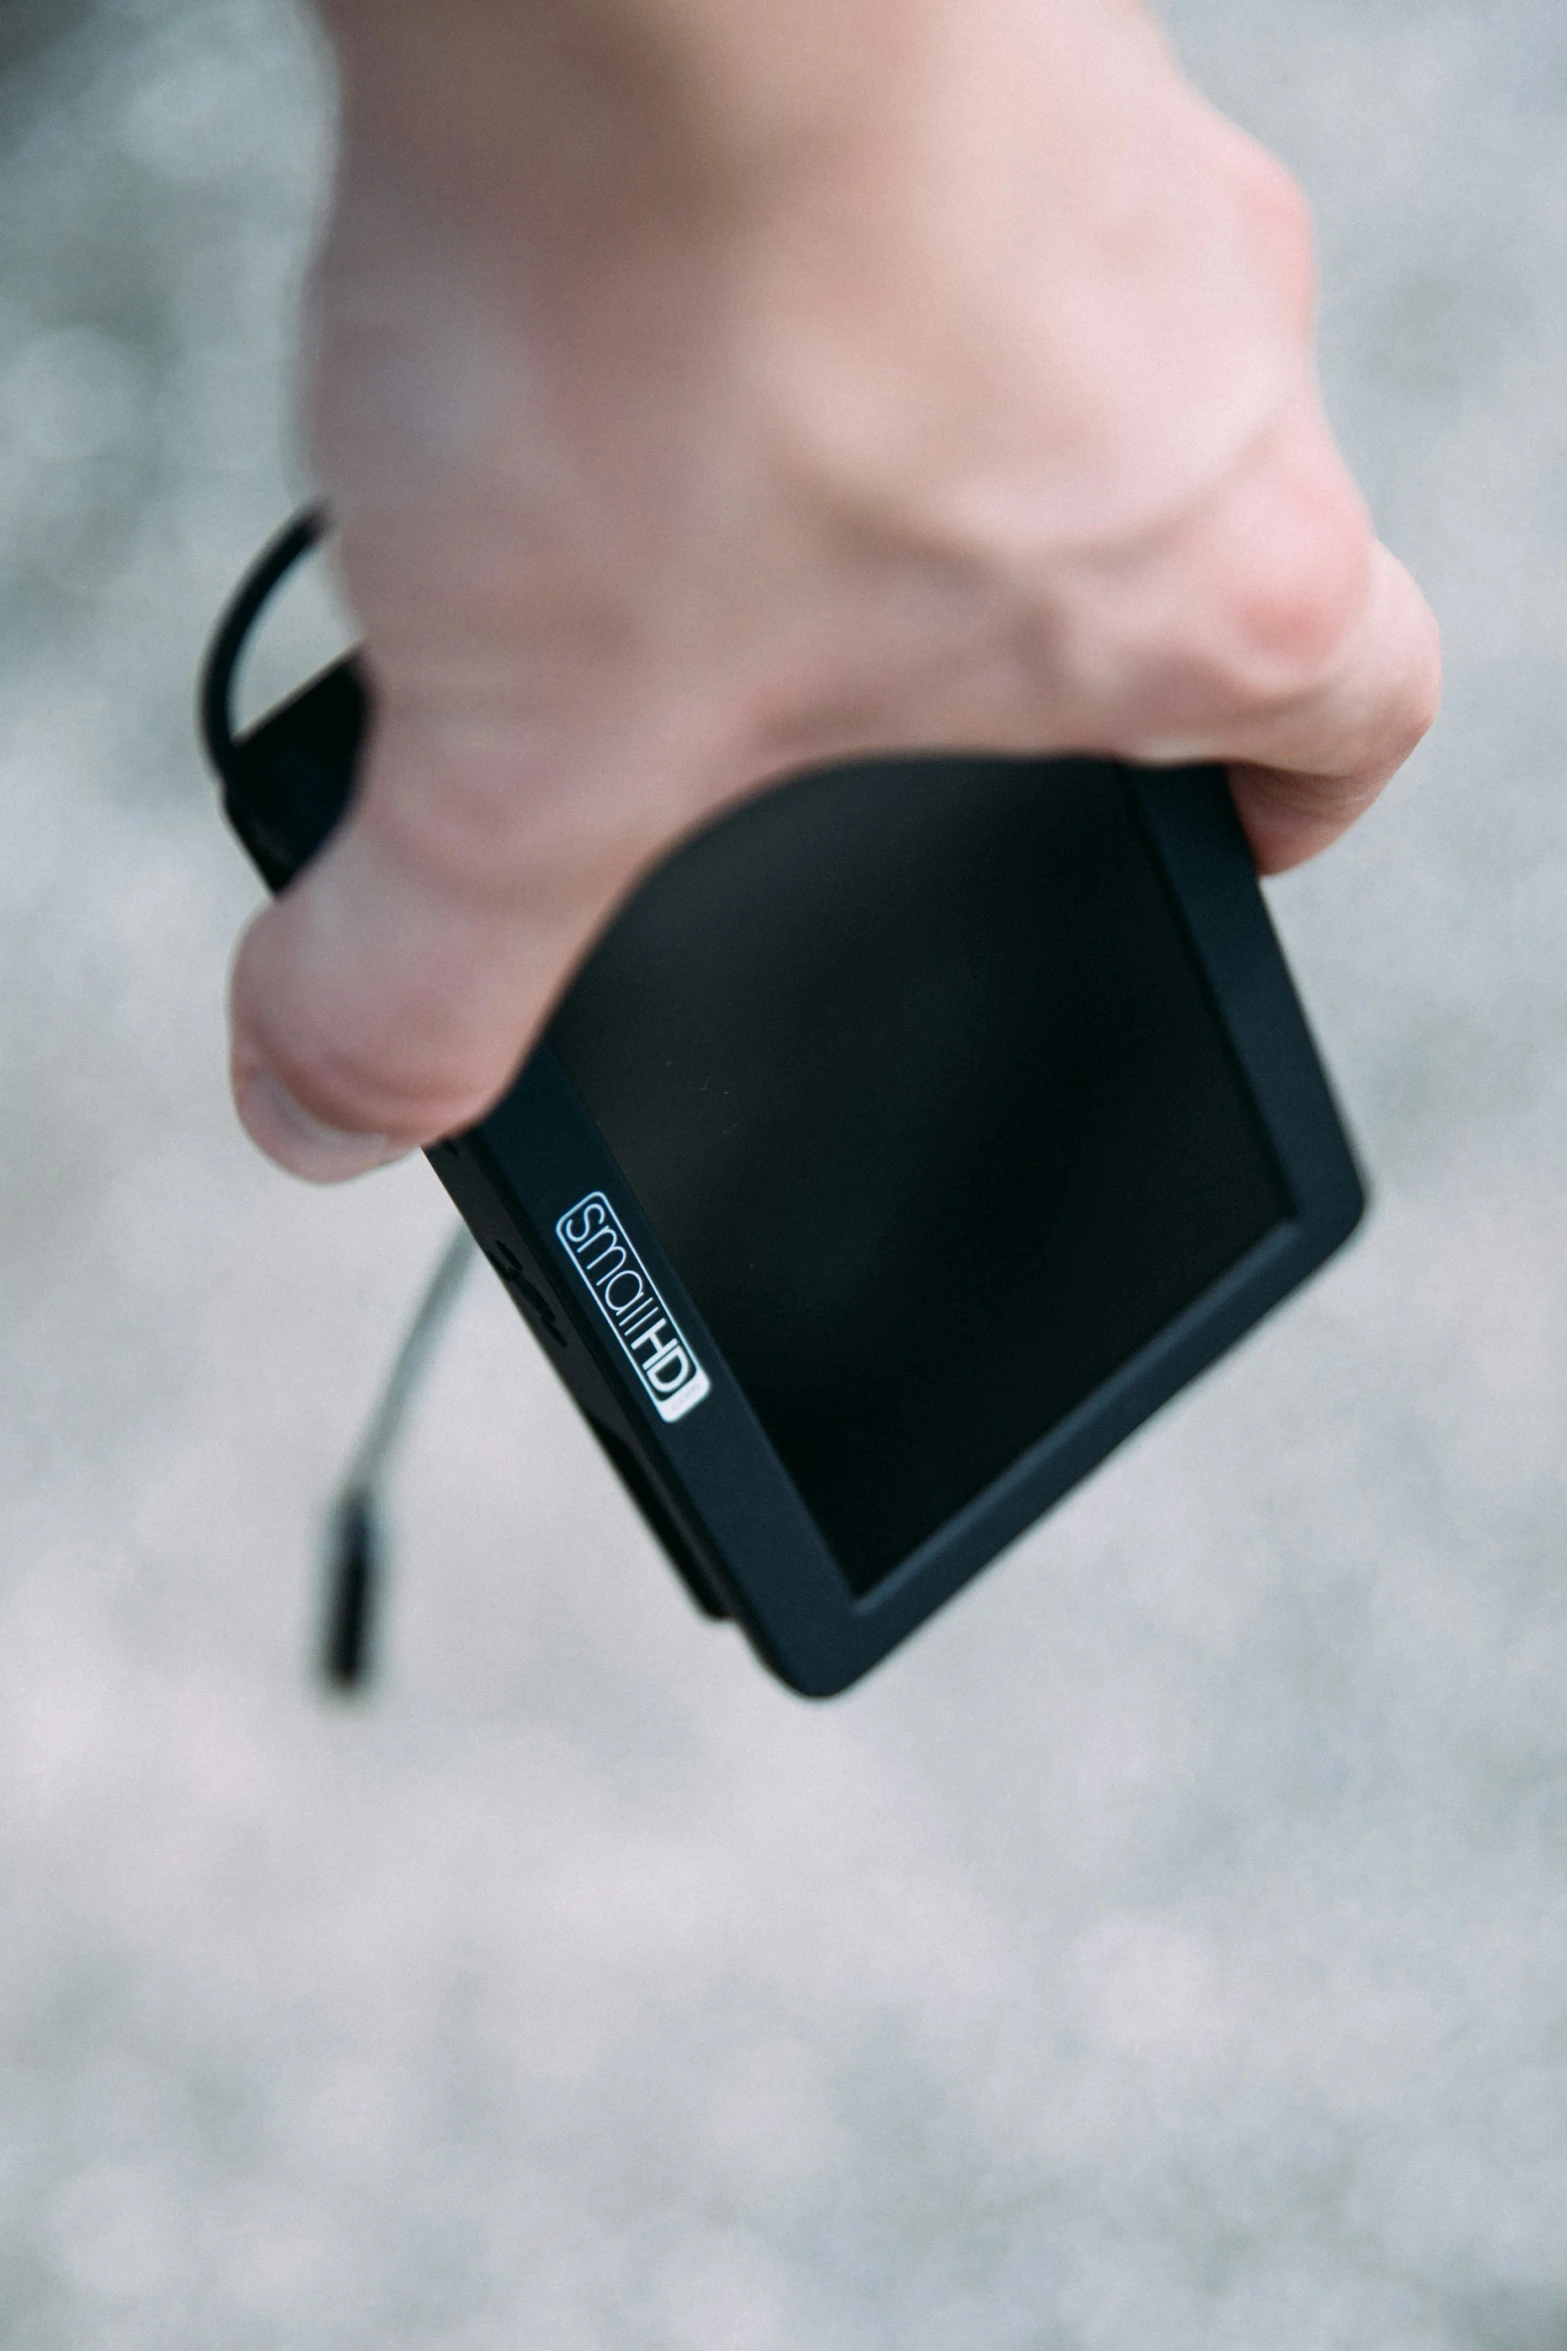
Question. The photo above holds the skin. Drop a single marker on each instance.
(704, 390)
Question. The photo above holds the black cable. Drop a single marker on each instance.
(353, 1572)
(216, 700)
(354, 1543)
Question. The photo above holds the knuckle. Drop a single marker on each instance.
(1283, 585)
(505, 802)
(404, 1084)
(1246, 604)
(1277, 214)
(1285, 612)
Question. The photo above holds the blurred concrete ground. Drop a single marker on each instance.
(1170, 1949)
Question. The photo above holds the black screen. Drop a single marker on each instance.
(918, 1083)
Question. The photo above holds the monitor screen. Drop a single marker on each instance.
(915, 1075)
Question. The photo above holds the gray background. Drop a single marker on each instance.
(1170, 1948)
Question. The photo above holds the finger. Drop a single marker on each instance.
(388, 996)
(1287, 643)
(1305, 776)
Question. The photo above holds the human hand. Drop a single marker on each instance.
(704, 393)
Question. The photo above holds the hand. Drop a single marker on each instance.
(702, 392)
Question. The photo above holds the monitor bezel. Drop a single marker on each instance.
(539, 1152)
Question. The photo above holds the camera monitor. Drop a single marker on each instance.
(910, 1136)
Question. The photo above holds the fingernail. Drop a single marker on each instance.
(306, 1145)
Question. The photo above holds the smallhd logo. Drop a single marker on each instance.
(592, 1238)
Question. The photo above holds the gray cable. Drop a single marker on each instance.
(354, 1556)
(385, 1423)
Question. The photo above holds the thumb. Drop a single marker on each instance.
(387, 997)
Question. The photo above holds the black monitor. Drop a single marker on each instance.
(911, 1135)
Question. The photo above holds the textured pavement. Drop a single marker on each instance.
(1168, 1951)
